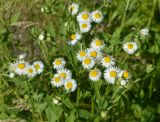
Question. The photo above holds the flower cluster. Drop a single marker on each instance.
(84, 19)
(22, 67)
(93, 57)
(63, 77)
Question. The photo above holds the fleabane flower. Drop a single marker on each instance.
(57, 80)
(11, 75)
(125, 74)
(22, 56)
(95, 74)
(74, 38)
(70, 85)
(73, 9)
(85, 26)
(88, 62)
(59, 63)
(30, 71)
(130, 47)
(81, 54)
(123, 82)
(41, 37)
(65, 74)
(97, 16)
(38, 66)
(144, 31)
(13, 67)
(111, 74)
(21, 67)
(107, 61)
(84, 17)
(93, 53)
(97, 44)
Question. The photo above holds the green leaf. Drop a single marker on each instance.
(71, 118)
(149, 68)
(53, 112)
(116, 36)
(68, 103)
(15, 17)
(84, 114)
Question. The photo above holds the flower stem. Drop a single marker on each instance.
(124, 59)
(92, 107)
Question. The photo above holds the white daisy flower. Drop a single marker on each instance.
(57, 80)
(73, 9)
(22, 56)
(95, 74)
(74, 38)
(107, 61)
(84, 17)
(130, 47)
(97, 44)
(125, 74)
(97, 16)
(111, 74)
(59, 63)
(93, 53)
(30, 71)
(38, 66)
(21, 67)
(65, 74)
(85, 26)
(11, 75)
(144, 31)
(81, 54)
(88, 62)
(123, 82)
(70, 85)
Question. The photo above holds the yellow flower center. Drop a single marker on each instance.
(130, 46)
(69, 85)
(30, 70)
(98, 42)
(82, 53)
(73, 36)
(21, 65)
(107, 59)
(113, 74)
(85, 16)
(87, 61)
(58, 62)
(63, 75)
(93, 73)
(84, 25)
(57, 79)
(97, 15)
(37, 66)
(93, 54)
(125, 74)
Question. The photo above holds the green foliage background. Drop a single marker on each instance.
(22, 21)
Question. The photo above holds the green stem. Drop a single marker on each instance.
(124, 59)
(77, 100)
(96, 89)
(92, 107)
(125, 13)
(43, 51)
(152, 13)
(30, 100)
